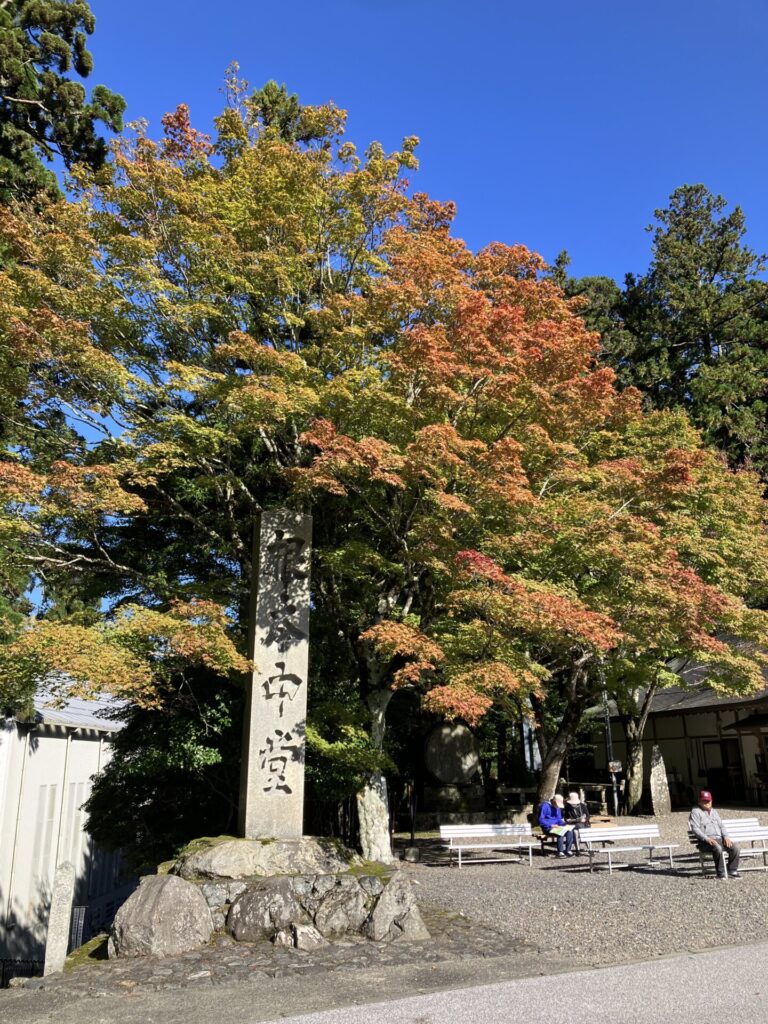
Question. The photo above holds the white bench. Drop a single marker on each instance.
(742, 831)
(623, 839)
(492, 839)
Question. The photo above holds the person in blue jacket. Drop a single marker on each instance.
(551, 814)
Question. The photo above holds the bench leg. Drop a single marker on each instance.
(459, 858)
(610, 863)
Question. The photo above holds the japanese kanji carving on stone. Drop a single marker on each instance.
(274, 757)
(272, 789)
(283, 686)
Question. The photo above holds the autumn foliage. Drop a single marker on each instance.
(268, 318)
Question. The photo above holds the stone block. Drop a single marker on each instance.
(451, 754)
(371, 884)
(660, 798)
(307, 937)
(342, 909)
(266, 908)
(256, 858)
(166, 915)
(57, 940)
(396, 915)
(273, 754)
(216, 893)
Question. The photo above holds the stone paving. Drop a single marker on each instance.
(225, 962)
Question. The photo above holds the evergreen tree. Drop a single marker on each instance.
(599, 302)
(695, 326)
(43, 113)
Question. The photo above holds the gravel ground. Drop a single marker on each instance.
(596, 919)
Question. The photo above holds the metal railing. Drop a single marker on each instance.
(19, 969)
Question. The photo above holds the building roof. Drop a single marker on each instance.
(699, 697)
(98, 714)
(758, 720)
(695, 694)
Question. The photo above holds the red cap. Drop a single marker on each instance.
(705, 796)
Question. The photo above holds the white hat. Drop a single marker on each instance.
(574, 798)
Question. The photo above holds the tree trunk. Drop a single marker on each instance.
(372, 801)
(633, 720)
(552, 764)
(539, 733)
(633, 775)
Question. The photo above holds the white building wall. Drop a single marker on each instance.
(45, 777)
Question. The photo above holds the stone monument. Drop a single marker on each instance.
(272, 780)
(59, 916)
(659, 786)
(452, 759)
(275, 883)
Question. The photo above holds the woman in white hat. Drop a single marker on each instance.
(576, 813)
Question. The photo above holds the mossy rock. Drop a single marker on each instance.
(203, 843)
(373, 869)
(230, 858)
(88, 954)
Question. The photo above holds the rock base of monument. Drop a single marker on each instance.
(227, 858)
(376, 907)
(178, 912)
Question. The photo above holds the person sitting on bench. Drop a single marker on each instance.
(551, 816)
(576, 814)
(707, 825)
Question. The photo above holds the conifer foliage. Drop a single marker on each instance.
(44, 113)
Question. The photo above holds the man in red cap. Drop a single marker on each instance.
(707, 825)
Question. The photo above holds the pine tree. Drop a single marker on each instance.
(44, 114)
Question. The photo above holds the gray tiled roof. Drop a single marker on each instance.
(695, 695)
(81, 714)
(698, 697)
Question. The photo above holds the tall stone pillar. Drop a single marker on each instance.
(274, 740)
(57, 940)
(660, 799)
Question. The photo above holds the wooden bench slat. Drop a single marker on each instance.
(603, 842)
(491, 829)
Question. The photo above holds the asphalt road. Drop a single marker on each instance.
(706, 988)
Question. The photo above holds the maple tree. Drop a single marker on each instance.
(265, 318)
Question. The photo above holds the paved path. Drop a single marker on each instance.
(705, 988)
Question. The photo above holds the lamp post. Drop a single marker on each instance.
(609, 752)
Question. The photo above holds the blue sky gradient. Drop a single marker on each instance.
(558, 125)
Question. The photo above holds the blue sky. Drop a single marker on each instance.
(562, 125)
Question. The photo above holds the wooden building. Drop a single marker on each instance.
(708, 742)
(46, 768)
